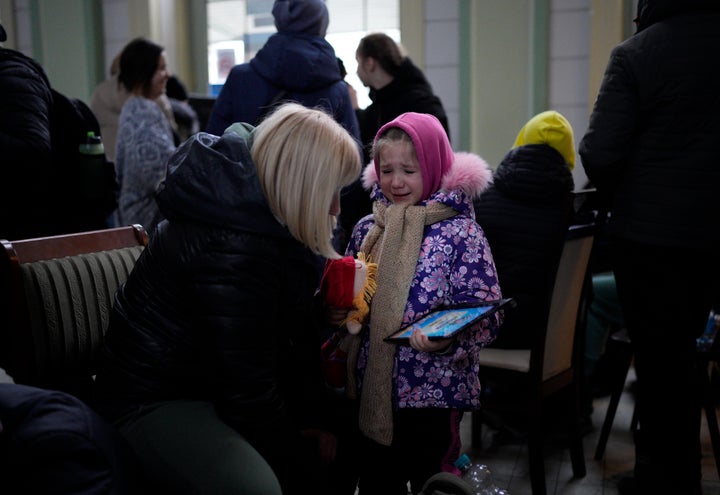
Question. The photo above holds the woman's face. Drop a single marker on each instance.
(160, 78)
(400, 176)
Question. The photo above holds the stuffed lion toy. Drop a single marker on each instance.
(350, 283)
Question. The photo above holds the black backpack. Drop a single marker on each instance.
(86, 186)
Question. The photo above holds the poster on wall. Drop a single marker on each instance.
(225, 62)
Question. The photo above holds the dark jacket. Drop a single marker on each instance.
(219, 308)
(53, 443)
(25, 147)
(304, 66)
(525, 214)
(409, 91)
(48, 187)
(651, 146)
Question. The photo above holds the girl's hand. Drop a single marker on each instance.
(420, 342)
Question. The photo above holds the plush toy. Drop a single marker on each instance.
(346, 283)
(350, 283)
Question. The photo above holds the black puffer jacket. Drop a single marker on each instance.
(652, 144)
(219, 308)
(25, 148)
(525, 214)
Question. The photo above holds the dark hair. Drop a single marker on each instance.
(341, 66)
(138, 63)
(382, 48)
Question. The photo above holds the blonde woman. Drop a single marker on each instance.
(211, 363)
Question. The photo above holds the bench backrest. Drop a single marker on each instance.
(56, 294)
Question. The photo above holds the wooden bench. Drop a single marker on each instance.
(56, 294)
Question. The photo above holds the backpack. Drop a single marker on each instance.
(87, 189)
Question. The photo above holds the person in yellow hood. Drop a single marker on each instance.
(525, 214)
(552, 129)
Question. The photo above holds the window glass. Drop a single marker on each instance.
(237, 29)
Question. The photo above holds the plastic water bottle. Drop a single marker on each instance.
(93, 145)
(92, 167)
(478, 476)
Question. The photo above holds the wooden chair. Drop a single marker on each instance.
(533, 375)
(622, 348)
(708, 360)
(56, 294)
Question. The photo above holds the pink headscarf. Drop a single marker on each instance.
(432, 147)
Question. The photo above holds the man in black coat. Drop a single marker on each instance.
(25, 146)
(48, 187)
(652, 151)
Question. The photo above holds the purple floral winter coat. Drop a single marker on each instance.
(455, 265)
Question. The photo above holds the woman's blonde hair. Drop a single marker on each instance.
(304, 158)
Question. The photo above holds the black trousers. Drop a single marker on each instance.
(425, 442)
(666, 295)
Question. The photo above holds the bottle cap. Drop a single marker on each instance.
(93, 145)
(462, 461)
(92, 138)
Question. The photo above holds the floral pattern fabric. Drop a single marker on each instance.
(455, 265)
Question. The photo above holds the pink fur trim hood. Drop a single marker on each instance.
(469, 173)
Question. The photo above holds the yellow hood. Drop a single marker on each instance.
(549, 128)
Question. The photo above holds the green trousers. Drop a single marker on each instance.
(185, 448)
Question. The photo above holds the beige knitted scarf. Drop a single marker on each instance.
(399, 228)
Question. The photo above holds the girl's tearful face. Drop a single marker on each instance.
(400, 177)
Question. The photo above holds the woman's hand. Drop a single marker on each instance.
(420, 342)
(335, 316)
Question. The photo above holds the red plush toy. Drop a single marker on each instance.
(346, 283)
(350, 283)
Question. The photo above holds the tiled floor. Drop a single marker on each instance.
(508, 459)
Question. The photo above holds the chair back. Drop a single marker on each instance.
(56, 294)
(565, 303)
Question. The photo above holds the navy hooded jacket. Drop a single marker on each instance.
(305, 66)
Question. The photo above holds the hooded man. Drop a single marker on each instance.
(296, 63)
(651, 149)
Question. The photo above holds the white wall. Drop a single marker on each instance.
(441, 61)
(116, 25)
(569, 67)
